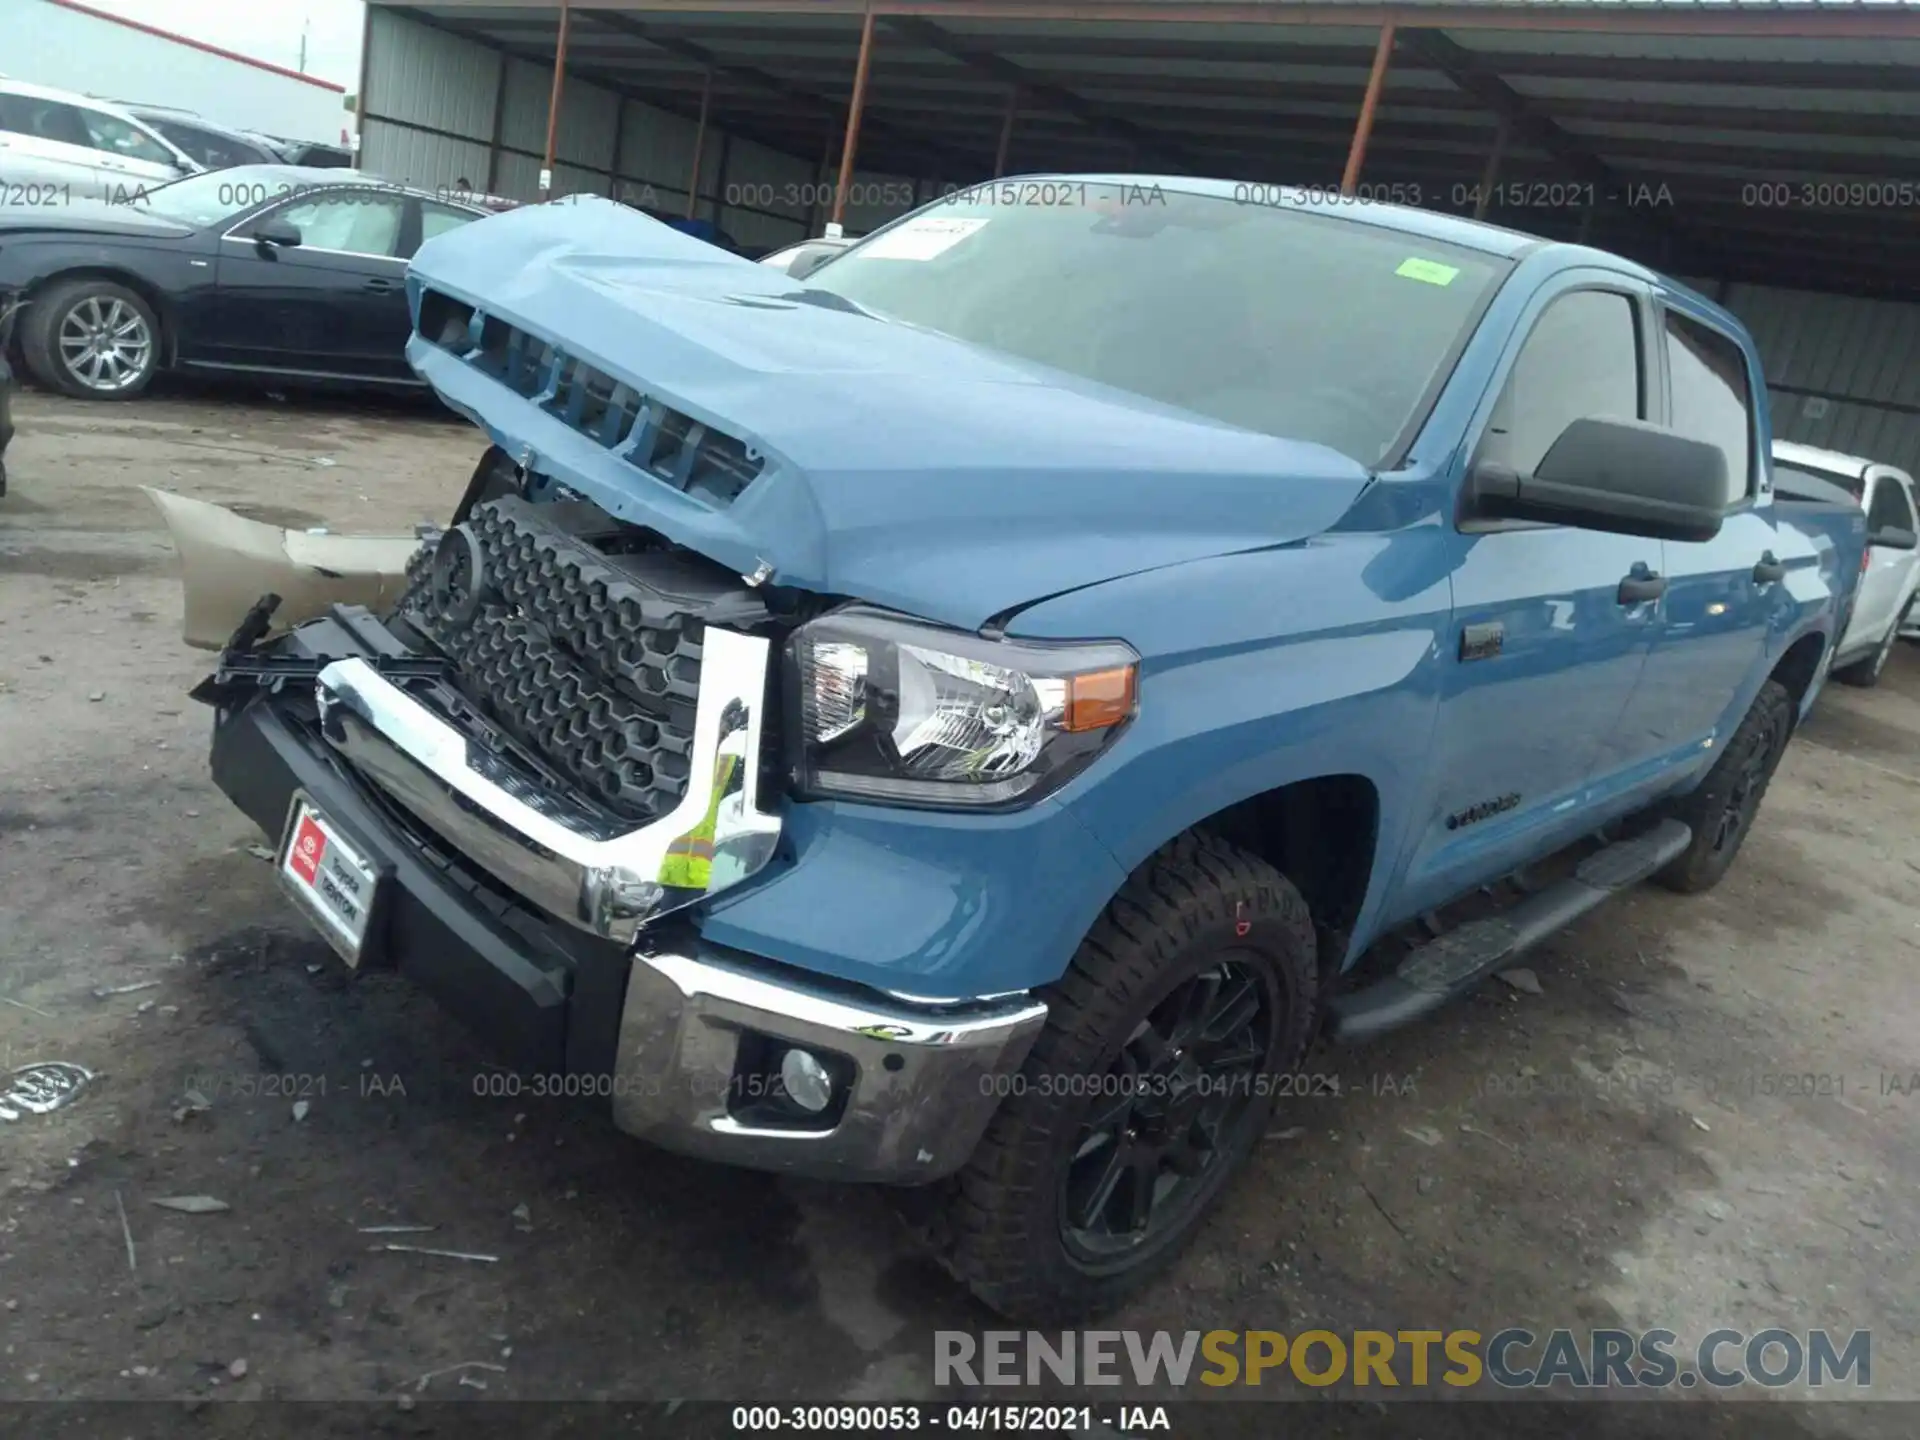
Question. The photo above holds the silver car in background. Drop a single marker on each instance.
(57, 147)
(1890, 570)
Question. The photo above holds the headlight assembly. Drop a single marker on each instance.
(893, 710)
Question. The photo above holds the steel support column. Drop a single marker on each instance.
(699, 140)
(1376, 82)
(1490, 176)
(1006, 132)
(553, 101)
(854, 108)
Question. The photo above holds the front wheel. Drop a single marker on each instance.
(1721, 811)
(1149, 1086)
(91, 339)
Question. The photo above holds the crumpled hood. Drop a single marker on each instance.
(903, 467)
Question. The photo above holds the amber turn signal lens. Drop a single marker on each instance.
(1100, 699)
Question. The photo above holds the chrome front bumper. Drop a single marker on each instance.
(922, 1081)
(570, 863)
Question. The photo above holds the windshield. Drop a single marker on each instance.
(1274, 319)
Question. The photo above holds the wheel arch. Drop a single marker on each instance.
(114, 275)
(1798, 667)
(1323, 834)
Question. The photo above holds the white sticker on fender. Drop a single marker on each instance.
(924, 238)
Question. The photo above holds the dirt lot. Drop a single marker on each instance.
(1614, 1150)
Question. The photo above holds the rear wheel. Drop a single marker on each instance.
(1147, 1089)
(1721, 811)
(92, 339)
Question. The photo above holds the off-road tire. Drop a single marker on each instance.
(1739, 777)
(40, 322)
(998, 1222)
(1865, 674)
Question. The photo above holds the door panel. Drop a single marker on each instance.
(130, 160)
(334, 304)
(43, 144)
(1883, 584)
(1546, 654)
(1712, 652)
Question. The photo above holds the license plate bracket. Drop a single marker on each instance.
(331, 880)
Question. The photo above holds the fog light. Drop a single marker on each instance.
(807, 1082)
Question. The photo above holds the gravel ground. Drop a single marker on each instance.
(1617, 1149)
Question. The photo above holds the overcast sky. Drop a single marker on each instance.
(262, 29)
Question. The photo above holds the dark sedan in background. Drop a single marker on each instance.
(275, 272)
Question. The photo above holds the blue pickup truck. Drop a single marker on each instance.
(972, 720)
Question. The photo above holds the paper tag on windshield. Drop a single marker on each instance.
(922, 239)
(1431, 271)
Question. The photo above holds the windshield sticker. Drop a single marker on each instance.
(922, 239)
(1430, 271)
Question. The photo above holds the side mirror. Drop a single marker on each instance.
(1892, 537)
(1626, 477)
(805, 265)
(276, 234)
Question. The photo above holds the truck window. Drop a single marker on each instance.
(1582, 358)
(1710, 395)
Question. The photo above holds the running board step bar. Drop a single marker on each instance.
(1449, 966)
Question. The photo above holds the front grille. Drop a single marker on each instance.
(668, 444)
(571, 650)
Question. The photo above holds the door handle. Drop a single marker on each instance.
(378, 286)
(1769, 571)
(1640, 585)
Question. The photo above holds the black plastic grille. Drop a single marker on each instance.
(591, 669)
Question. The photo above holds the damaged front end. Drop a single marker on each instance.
(506, 783)
(574, 706)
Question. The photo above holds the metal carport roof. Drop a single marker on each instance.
(1768, 141)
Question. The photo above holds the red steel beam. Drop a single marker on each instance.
(699, 142)
(1376, 82)
(1863, 23)
(854, 106)
(1006, 132)
(553, 101)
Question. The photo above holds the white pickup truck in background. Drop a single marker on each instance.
(1890, 570)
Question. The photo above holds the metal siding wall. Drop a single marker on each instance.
(529, 87)
(657, 150)
(752, 230)
(764, 200)
(872, 200)
(413, 157)
(431, 78)
(1857, 361)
